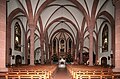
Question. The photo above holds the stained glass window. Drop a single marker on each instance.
(105, 38)
(17, 34)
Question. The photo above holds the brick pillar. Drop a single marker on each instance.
(91, 48)
(117, 36)
(3, 36)
(32, 44)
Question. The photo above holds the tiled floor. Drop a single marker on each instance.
(61, 74)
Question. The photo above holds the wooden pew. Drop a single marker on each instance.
(31, 72)
(87, 72)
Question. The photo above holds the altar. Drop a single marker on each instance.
(62, 63)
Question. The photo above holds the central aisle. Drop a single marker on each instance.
(61, 74)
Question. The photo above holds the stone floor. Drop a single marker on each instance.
(61, 74)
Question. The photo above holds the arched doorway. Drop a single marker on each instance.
(18, 60)
(104, 61)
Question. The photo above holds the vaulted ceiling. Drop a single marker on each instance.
(51, 16)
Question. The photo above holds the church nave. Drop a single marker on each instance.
(60, 39)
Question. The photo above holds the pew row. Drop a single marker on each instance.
(87, 72)
(31, 72)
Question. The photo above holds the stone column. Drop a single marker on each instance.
(96, 50)
(32, 44)
(50, 53)
(26, 49)
(117, 36)
(42, 49)
(3, 36)
(81, 51)
(74, 52)
(91, 48)
(8, 43)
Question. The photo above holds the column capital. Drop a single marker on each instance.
(90, 28)
(32, 26)
(90, 31)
